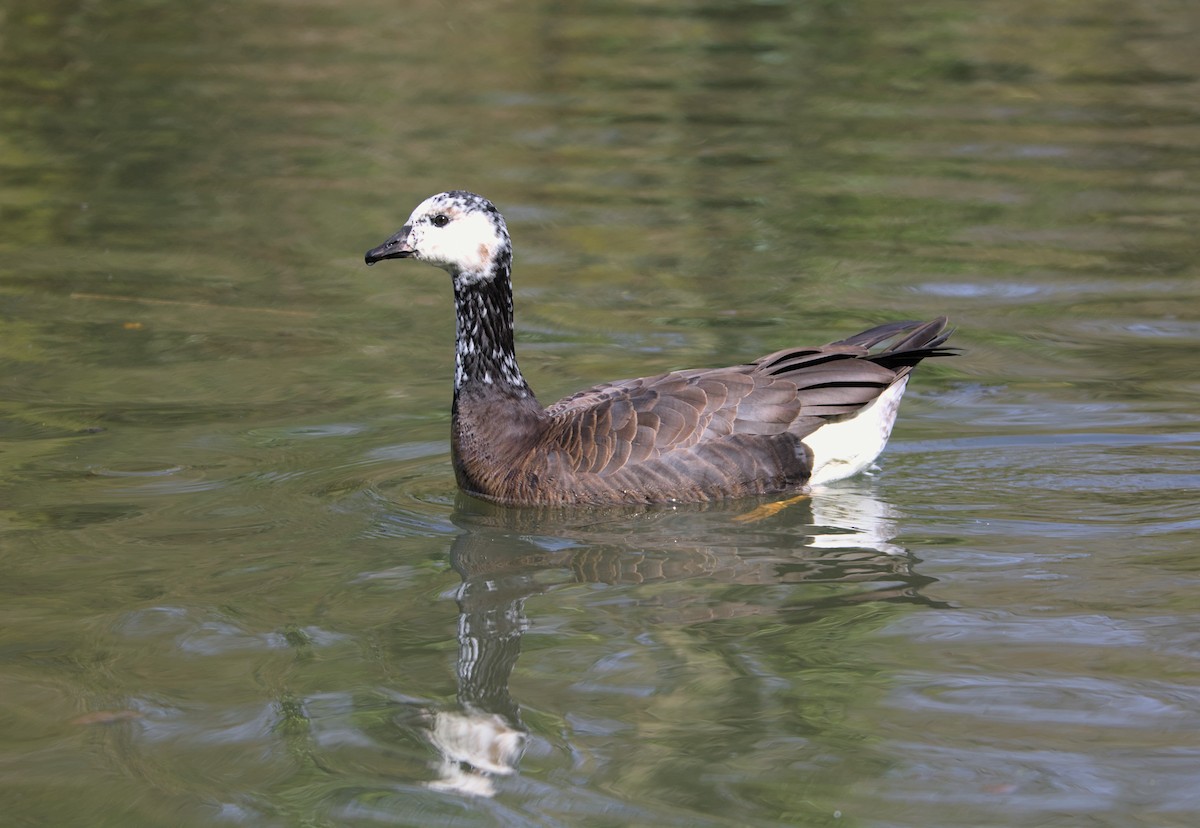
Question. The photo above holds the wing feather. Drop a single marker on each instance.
(700, 429)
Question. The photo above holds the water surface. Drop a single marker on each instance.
(240, 588)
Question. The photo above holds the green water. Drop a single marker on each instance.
(237, 585)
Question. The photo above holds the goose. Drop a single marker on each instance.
(780, 424)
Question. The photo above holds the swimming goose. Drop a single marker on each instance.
(788, 420)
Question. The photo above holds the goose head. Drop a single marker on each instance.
(460, 232)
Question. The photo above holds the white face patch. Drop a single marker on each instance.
(462, 235)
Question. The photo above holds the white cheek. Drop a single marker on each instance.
(476, 256)
(418, 242)
(462, 250)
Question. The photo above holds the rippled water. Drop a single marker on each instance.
(239, 586)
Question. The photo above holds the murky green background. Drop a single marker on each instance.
(237, 584)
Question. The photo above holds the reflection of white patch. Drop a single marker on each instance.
(474, 748)
(855, 518)
(845, 448)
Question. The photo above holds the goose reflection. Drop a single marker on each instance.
(484, 738)
(505, 556)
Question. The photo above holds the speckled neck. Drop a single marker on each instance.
(485, 359)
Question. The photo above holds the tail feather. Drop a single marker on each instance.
(919, 341)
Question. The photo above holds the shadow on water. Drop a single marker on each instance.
(842, 540)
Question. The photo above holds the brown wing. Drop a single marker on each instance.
(630, 422)
(706, 414)
(687, 435)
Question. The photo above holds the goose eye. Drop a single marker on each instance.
(440, 220)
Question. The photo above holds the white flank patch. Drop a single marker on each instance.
(845, 448)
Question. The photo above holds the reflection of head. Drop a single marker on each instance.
(484, 738)
(475, 747)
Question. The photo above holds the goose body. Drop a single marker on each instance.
(797, 417)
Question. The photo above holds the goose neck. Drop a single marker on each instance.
(485, 358)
